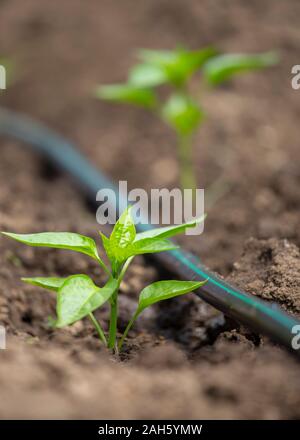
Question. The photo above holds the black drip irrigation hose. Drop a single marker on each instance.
(260, 316)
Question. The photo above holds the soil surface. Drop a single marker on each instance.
(183, 359)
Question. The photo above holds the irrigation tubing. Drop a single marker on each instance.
(260, 316)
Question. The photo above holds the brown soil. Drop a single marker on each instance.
(184, 359)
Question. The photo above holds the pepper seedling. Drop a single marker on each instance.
(180, 110)
(77, 296)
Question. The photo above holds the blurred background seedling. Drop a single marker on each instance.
(180, 109)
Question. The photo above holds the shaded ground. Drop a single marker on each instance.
(182, 354)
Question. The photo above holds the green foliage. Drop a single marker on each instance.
(223, 67)
(59, 240)
(160, 291)
(175, 66)
(119, 243)
(78, 296)
(147, 75)
(50, 283)
(182, 113)
(168, 231)
(180, 109)
(128, 94)
(150, 246)
(165, 290)
(124, 242)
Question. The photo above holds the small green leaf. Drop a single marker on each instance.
(124, 230)
(51, 283)
(177, 65)
(123, 234)
(127, 93)
(223, 67)
(141, 247)
(147, 75)
(182, 114)
(167, 231)
(162, 290)
(106, 245)
(59, 240)
(79, 296)
(150, 246)
(158, 57)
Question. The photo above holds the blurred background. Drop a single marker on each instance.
(61, 50)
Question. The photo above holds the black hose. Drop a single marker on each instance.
(260, 316)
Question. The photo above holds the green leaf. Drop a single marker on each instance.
(162, 290)
(158, 57)
(124, 230)
(146, 246)
(150, 246)
(51, 283)
(147, 75)
(223, 67)
(106, 245)
(176, 65)
(122, 236)
(127, 93)
(59, 240)
(167, 231)
(182, 114)
(79, 296)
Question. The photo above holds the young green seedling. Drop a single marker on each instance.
(78, 296)
(180, 110)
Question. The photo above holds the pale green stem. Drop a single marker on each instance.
(98, 328)
(114, 308)
(128, 328)
(124, 269)
(187, 174)
(113, 320)
(104, 267)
